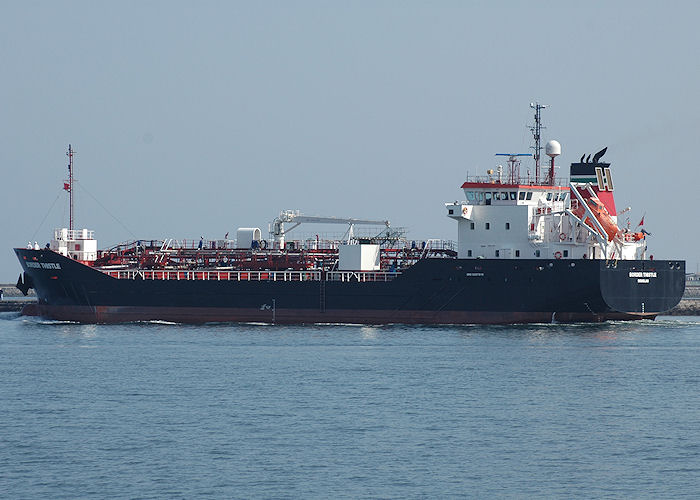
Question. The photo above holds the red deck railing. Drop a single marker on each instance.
(343, 276)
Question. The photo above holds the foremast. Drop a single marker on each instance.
(77, 244)
(69, 186)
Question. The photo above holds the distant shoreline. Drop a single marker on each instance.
(10, 290)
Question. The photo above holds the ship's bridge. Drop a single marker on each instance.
(494, 193)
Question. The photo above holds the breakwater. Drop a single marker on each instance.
(13, 300)
(690, 304)
(12, 305)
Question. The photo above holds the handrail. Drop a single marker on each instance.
(65, 234)
(179, 275)
(492, 180)
(360, 276)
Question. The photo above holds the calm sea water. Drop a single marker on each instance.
(251, 411)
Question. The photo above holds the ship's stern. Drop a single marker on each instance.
(642, 288)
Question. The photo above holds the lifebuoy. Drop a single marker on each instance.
(562, 236)
(464, 210)
(557, 255)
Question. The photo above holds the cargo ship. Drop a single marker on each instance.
(531, 248)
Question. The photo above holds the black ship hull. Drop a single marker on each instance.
(433, 291)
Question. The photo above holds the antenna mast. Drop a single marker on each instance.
(70, 154)
(536, 133)
(513, 166)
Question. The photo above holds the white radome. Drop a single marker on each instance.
(552, 148)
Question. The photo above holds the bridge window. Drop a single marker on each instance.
(529, 195)
(504, 195)
(549, 196)
(521, 195)
(471, 196)
(512, 195)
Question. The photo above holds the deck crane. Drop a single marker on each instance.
(278, 231)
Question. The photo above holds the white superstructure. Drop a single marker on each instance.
(76, 244)
(509, 216)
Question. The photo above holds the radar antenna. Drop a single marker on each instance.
(513, 166)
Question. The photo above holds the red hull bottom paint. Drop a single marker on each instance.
(198, 315)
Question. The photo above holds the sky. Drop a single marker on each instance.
(192, 118)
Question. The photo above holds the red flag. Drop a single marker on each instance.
(641, 222)
(66, 186)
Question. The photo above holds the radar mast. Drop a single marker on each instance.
(536, 130)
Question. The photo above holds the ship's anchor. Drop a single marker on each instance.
(273, 308)
(24, 285)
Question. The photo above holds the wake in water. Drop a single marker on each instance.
(153, 322)
(677, 321)
(9, 315)
(36, 320)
